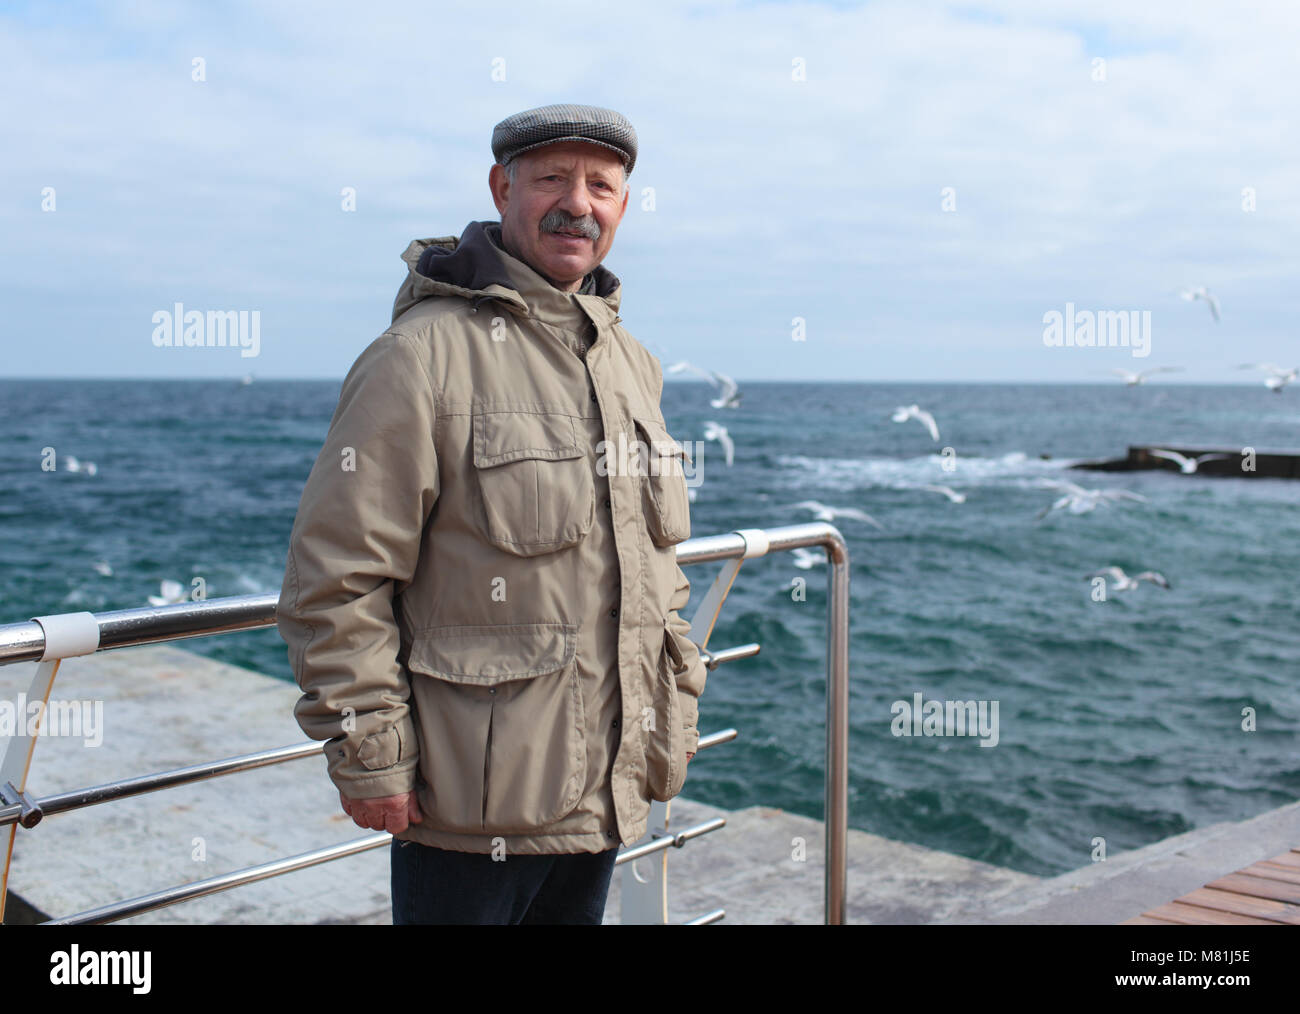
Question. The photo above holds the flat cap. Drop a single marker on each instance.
(544, 125)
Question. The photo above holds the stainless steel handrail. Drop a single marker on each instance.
(202, 888)
(674, 840)
(25, 641)
(106, 792)
(109, 791)
(130, 907)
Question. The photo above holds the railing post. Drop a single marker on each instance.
(837, 730)
(643, 896)
(17, 759)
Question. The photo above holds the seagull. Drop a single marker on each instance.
(172, 592)
(730, 397)
(1280, 376)
(1188, 465)
(1080, 500)
(1125, 583)
(102, 566)
(825, 513)
(71, 464)
(1132, 379)
(902, 414)
(683, 366)
(713, 431)
(949, 492)
(730, 391)
(806, 559)
(1201, 292)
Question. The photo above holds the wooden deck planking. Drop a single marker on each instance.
(1265, 893)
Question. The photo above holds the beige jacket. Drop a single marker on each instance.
(480, 598)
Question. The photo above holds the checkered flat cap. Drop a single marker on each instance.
(544, 125)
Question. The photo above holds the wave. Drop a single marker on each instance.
(912, 473)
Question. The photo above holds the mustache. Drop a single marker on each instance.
(562, 221)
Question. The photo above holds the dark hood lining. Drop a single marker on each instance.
(475, 263)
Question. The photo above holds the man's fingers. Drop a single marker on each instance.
(389, 813)
(395, 821)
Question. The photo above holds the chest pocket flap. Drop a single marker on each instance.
(665, 501)
(534, 476)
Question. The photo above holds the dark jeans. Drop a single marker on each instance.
(432, 885)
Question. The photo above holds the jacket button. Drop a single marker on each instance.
(609, 834)
(606, 501)
(492, 690)
(593, 399)
(616, 723)
(613, 612)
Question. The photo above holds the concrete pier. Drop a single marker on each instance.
(164, 707)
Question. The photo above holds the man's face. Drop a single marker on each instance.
(569, 187)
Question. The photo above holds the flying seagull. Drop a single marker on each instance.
(1188, 465)
(103, 567)
(1279, 379)
(730, 391)
(1201, 292)
(904, 413)
(826, 513)
(949, 492)
(1132, 379)
(713, 431)
(1125, 583)
(806, 559)
(1080, 501)
(730, 396)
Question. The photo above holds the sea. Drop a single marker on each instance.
(1128, 719)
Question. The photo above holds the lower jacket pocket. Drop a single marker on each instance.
(502, 724)
(662, 727)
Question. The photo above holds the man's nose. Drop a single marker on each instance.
(575, 200)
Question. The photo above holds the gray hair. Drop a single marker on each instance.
(513, 164)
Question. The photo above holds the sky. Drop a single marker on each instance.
(847, 191)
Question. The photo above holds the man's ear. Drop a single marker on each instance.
(623, 210)
(499, 184)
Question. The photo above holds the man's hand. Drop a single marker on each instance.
(386, 813)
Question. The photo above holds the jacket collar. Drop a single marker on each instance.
(476, 267)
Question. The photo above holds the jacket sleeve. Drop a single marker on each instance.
(692, 672)
(355, 541)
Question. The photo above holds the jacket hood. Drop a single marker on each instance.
(475, 266)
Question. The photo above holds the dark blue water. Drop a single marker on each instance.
(1119, 719)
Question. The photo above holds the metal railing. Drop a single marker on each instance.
(50, 639)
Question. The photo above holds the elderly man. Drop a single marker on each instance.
(481, 597)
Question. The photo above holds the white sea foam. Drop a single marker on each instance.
(800, 471)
